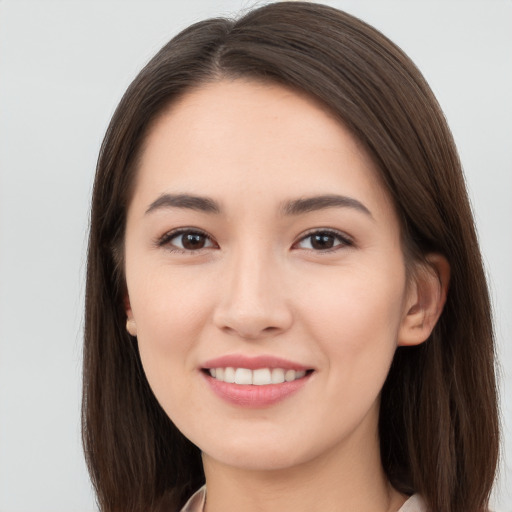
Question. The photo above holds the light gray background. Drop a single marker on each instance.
(63, 67)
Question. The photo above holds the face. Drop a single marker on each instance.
(265, 276)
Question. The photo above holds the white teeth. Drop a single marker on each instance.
(277, 375)
(259, 377)
(229, 375)
(243, 376)
(289, 375)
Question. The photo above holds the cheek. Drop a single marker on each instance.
(167, 302)
(356, 317)
(356, 327)
(170, 310)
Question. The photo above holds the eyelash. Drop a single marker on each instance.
(344, 240)
(165, 240)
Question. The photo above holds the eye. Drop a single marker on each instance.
(323, 240)
(186, 240)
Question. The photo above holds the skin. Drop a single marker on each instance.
(259, 286)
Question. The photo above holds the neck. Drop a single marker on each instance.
(347, 478)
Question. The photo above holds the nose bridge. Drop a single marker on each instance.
(253, 299)
(251, 279)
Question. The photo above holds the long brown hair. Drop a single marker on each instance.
(438, 423)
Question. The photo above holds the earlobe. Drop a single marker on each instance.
(131, 326)
(427, 296)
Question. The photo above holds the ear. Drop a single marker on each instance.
(131, 326)
(425, 301)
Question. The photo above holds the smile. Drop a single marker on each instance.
(257, 377)
(255, 381)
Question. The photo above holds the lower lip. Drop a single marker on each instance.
(255, 396)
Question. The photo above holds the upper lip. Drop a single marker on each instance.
(253, 362)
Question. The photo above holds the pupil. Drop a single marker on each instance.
(322, 241)
(193, 241)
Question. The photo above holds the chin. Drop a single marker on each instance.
(261, 454)
(257, 460)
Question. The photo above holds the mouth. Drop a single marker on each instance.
(255, 382)
(255, 377)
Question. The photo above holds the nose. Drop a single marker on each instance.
(253, 302)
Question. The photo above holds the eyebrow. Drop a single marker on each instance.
(294, 207)
(191, 202)
(310, 204)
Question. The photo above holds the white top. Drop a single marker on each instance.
(196, 503)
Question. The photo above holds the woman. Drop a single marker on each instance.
(285, 296)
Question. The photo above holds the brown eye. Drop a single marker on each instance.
(187, 240)
(323, 241)
(191, 241)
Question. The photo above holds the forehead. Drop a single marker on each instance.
(248, 138)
